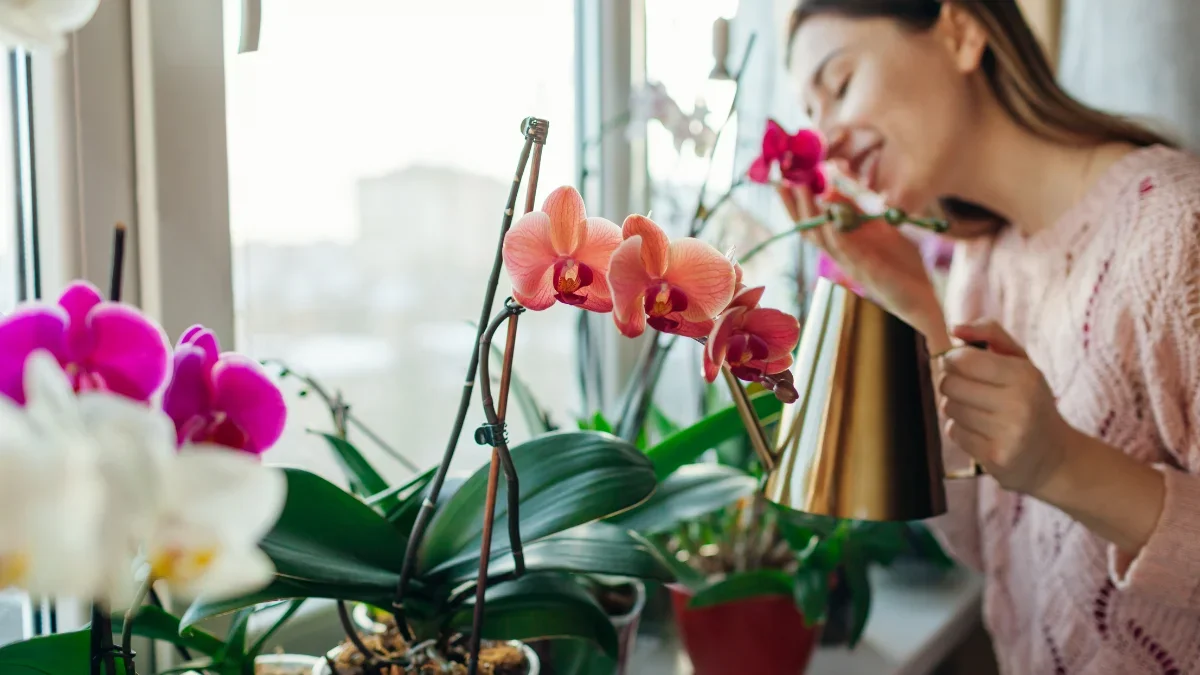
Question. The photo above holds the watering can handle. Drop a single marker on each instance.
(974, 470)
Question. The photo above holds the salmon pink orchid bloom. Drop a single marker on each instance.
(798, 155)
(102, 346)
(560, 254)
(754, 341)
(674, 286)
(224, 399)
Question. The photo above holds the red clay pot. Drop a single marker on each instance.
(763, 636)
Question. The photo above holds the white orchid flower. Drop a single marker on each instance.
(217, 505)
(51, 496)
(90, 483)
(43, 24)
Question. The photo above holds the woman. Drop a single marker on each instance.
(1079, 266)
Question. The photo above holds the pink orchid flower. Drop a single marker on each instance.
(754, 341)
(100, 345)
(559, 253)
(798, 155)
(674, 286)
(225, 399)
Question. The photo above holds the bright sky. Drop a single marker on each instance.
(352, 88)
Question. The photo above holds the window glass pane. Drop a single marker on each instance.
(8, 186)
(686, 105)
(371, 147)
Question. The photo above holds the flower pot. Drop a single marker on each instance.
(624, 611)
(291, 664)
(535, 665)
(764, 635)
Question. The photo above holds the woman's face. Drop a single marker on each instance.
(895, 105)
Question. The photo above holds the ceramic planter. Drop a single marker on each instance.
(535, 665)
(303, 664)
(627, 624)
(763, 635)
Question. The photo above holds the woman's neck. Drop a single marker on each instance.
(1030, 181)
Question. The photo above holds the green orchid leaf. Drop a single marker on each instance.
(234, 650)
(822, 526)
(157, 624)
(326, 544)
(566, 479)
(860, 595)
(540, 606)
(257, 647)
(364, 479)
(742, 585)
(595, 548)
(59, 654)
(690, 492)
(686, 446)
(811, 593)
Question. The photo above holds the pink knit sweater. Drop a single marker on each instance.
(1107, 304)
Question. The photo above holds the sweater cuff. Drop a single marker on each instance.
(1167, 568)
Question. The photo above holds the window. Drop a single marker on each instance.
(10, 279)
(371, 146)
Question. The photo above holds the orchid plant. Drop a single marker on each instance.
(107, 492)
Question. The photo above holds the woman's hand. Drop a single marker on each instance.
(998, 408)
(887, 264)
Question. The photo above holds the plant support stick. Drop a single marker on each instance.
(494, 433)
(535, 131)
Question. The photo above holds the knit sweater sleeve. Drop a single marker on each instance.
(1164, 297)
(966, 294)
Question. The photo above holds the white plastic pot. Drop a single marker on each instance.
(307, 663)
(626, 624)
(531, 657)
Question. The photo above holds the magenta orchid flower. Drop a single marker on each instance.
(754, 341)
(560, 254)
(222, 398)
(798, 155)
(674, 286)
(100, 345)
(828, 269)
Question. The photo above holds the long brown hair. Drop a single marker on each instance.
(1016, 69)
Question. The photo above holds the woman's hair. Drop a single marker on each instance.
(1016, 69)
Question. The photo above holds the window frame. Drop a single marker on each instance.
(130, 127)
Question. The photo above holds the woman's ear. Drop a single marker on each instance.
(963, 36)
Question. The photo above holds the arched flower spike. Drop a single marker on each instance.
(675, 287)
(101, 345)
(560, 254)
(798, 155)
(754, 341)
(222, 399)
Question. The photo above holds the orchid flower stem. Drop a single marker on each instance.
(893, 217)
(336, 409)
(130, 617)
(697, 222)
(802, 226)
(535, 131)
(705, 213)
(754, 427)
(101, 629)
(183, 652)
(118, 263)
(369, 656)
(500, 456)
